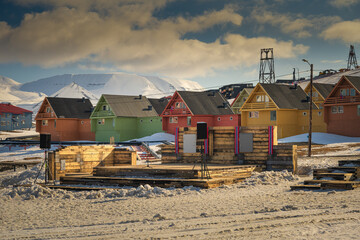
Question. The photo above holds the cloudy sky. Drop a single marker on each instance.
(209, 41)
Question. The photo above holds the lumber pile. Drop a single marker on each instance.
(163, 175)
(222, 149)
(83, 159)
(284, 157)
(345, 177)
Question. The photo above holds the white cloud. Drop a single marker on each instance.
(343, 3)
(125, 35)
(347, 31)
(295, 25)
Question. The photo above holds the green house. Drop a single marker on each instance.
(126, 117)
(240, 100)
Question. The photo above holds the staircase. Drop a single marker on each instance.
(344, 177)
(144, 154)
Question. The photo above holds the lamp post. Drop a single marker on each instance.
(310, 105)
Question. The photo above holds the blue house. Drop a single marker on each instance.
(13, 118)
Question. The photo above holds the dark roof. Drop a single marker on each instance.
(159, 104)
(354, 81)
(8, 108)
(71, 107)
(287, 97)
(324, 88)
(206, 103)
(130, 106)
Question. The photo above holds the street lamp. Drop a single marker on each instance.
(310, 105)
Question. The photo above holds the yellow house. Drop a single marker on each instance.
(280, 105)
(240, 99)
(320, 93)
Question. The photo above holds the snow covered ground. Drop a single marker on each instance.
(261, 207)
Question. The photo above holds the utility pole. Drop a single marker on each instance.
(310, 105)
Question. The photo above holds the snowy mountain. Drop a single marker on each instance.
(115, 83)
(10, 92)
(73, 90)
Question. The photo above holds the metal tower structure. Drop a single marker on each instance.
(352, 58)
(267, 73)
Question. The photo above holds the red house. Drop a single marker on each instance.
(342, 107)
(66, 119)
(186, 109)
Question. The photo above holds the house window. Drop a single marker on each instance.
(315, 94)
(342, 92)
(219, 119)
(231, 118)
(337, 109)
(352, 92)
(333, 109)
(55, 123)
(358, 110)
(341, 109)
(173, 120)
(273, 116)
(321, 106)
(254, 114)
(179, 105)
(44, 122)
(304, 113)
(189, 121)
(262, 98)
(105, 107)
(48, 109)
(319, 113)
(23, 122)
(113, 122)
(101, 121)
(82, 122)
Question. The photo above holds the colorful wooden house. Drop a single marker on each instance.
(280, 105)
(342, 107)
(186, 109)
(13, 118)
(240, 100)
(123, 118)
(66, 119)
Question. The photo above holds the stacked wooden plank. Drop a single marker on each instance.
(345, 177)
(284, 157)
(222, 150)
(260, 154)
(83, 159)
(164, 175)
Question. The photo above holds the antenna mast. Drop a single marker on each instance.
(352, 58)
(267, 73)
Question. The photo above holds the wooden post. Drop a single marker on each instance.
(294, 157)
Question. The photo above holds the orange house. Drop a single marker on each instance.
(66, 119)
(342, 107)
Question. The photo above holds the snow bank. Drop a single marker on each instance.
(319, 138)
(146, 191)
(26, 177)
(269, 178)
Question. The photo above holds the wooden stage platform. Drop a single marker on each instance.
(162, 175)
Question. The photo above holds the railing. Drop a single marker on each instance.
(259, 105)
(46, 115)
(103, 114)
(169, 112)
(346, 99)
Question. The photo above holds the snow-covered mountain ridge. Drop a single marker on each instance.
(114, 83)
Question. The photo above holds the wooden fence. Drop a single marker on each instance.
(83, 159)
